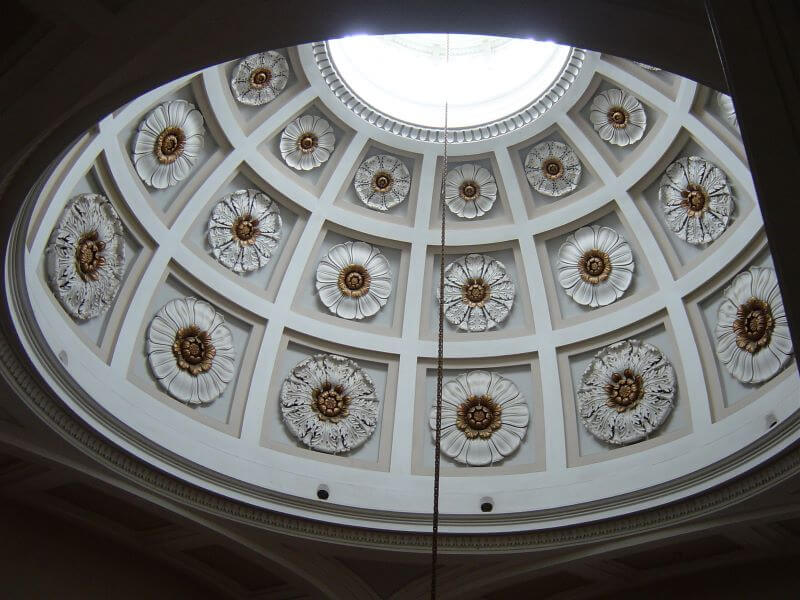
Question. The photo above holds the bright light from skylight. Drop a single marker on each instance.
(487, 78)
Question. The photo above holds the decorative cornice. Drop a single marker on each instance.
(485, 131)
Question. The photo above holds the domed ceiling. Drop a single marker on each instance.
(234, 277)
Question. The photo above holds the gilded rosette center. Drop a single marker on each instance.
(753, 325)
(88, 257)
(354, 281)
(552, 168)
(245, 229)
(469, 190)
(307, 142)
(618, 117)
(382, 182)
(169, 145)
(476, 292)
(260, 78)
(193, 349)
(330, 402)
(479, 416)
(695, 199)
(625, 390)
(594, 266)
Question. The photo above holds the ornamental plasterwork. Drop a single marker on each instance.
(259, 78)
(87, 250)
(725, 103)
(484, 418)
(244, 229)
(354, 280)
(382, 182)
(469, 191)
(752, 332)
(329, 404)
(190, 351)
(618, 117)
(168, 142)
(339, 88)
(478, 293)
(595, 266)
(627, 392)
(553, 168)
(696, 200)
(307, 142)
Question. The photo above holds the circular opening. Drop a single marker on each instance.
(409, 77)
(487, 504)
(322, 492)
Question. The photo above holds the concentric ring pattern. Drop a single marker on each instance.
(560, 472)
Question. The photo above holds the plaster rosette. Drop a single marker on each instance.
(553, 169)
(725, 103)
(354, 280)
(696, 200)
(627, 392)
(469, 191)
(484, 418)
(329, 404)
(595, 266)
(168, 142)
(478, 293)
(307, 142)
(382, 182)
(87, 256)
(190, 351)
(259, 78)
(752, 333)
(617, 117)
(244, 229)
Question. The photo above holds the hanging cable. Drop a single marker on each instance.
(440, 355)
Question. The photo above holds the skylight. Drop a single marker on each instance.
(486, 78)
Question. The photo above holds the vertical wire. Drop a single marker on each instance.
(440, 354)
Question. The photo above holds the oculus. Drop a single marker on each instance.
(259, 78)
(553, 169)
(190, 350)
(329, 403)
(244, 229)
(478, 293)
(725, 104)
(307, 142)
(696, 200)
(87, 251)
(354, 280)
(617, 117)
(167, 143)
(627, 392)
(382, 182)
(469, 191)
(752, 333)
(595, 266)
(484, 418)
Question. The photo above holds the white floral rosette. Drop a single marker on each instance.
(484, 418)
(244, 229)
(87, 250)
(469, 191)
(627, 392)
(382, 182)
(168, 142)
(191, 351)
(725, 103)
(329, 404)
(617, 117)
(752, 332)
(478, 293)
(595, 266)
(696, 200)
(354, 280)
(307, 142)
(553, 169)
(259, 78)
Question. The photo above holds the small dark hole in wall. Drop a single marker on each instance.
(487, 506)
(322, 492)
(772, 420)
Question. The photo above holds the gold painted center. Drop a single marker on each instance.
(625, 390)
(193, 350)
(88, 257)
(354, 281)
(307, 142)
(245, 229)
(330, 402)
(169, 145)
(552, 168)
(469, 190)
(753, 325)
(479, 416)
(260, 78)
(695, 199)
(476, 292)
(382, 182)
(594, 266)
(618, 117)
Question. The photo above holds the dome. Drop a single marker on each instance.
(234, 278)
